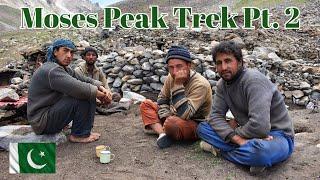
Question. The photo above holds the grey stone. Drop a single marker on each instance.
(7, 94)
(145, 87)
(316, 87)
(110, 80)
(135, 81)
(303, 101)
(136, 88)
(297, 94)
(117, 83)
(158, 53)
(129, 69)
(161, 60)
(129, 56)
(138, 73)
(304, 85)
(158, 65)
(288, 94)
(84, 43)
(274, 57)
(239, 41)
(307, 91)
(116, 69)
(156, 86)
(125, 87)
(148, 55)
(210, 74)
(146, 66)
(315, 95)
(24, 133)
(107, 66)
(155, 78)
(161, 72)
(16, 80)
(126, 78)
(261, 52)
(134, 61)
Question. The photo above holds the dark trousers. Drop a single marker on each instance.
(68, 109)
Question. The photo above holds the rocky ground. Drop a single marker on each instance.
(138, 157)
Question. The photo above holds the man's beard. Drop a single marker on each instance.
(90, 63)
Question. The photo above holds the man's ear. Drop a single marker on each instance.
(55, 51)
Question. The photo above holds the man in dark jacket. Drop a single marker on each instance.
(58, 95)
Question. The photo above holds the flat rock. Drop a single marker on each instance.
(7, 94)
(156, 86)
(135, 81)
(297, 94)
(146, 66)
(117, 82)
(24, 133)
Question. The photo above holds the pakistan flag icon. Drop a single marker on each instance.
(32, 158)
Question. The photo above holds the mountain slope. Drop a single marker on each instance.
(10, 10)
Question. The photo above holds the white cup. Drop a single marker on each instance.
(106, 157)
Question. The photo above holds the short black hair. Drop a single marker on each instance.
(89, 49)
(227, 47)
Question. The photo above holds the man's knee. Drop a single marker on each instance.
(146, 104)
(204, 128)
(261, 154)
(170, 123)
(171, 127)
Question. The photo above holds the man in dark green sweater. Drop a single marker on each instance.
(58, 95)
(262, 133)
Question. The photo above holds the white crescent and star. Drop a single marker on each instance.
(31, 163)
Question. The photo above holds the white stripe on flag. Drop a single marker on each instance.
(14, 167)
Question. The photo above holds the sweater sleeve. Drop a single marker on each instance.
(61, 81)
(259, 97)
(187, 106)
(164, 100)
(217, 119)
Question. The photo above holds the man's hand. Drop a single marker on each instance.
(181, 77)
(239, 140)
(269, 138)
(104, 95)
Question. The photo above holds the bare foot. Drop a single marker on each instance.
(89, 139)
(96, 134)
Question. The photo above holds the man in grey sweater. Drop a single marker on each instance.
(58, 95)
(262, 133)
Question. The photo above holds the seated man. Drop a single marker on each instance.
(58, 95)
(89, 69)
(183, 102)
(262, 133)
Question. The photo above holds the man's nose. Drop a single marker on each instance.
(69, 54)
(174, 71)
(224, 66)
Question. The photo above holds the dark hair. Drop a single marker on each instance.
(89, 49)
(227, 47)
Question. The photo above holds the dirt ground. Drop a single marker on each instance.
(138, 157)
